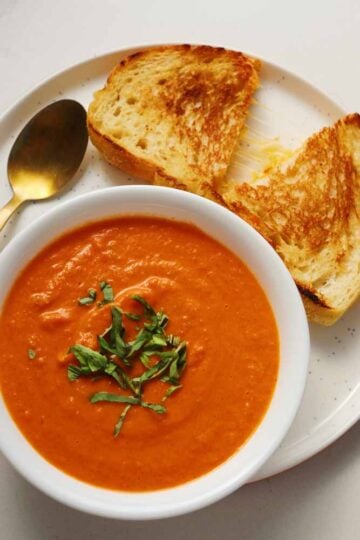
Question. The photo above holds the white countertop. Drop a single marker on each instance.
(319, 41)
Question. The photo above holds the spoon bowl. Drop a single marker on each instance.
(46, 154)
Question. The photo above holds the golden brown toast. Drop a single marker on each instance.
(308, 208)
(172, 115)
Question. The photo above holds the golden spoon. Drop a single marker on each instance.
(46, 154)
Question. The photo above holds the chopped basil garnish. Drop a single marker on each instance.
(89, 299)
(171, 390)
(162, 355)
(119, 423)
(31, 354)
(132, 316)
(114, 398)
(107, 292)
(159, 409)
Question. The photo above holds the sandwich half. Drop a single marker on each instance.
(308, 208)
(172, 115)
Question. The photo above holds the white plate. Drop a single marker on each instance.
(291, 109)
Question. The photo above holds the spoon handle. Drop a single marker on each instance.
(9, 209)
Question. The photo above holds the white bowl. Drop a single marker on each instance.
(288, 309)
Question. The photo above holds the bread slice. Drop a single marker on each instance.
(308, 208)
(173, 114)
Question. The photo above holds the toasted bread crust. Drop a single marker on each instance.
(319, 314)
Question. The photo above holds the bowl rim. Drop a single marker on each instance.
(146, 505)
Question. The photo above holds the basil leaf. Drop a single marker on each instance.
(143, 337)
(133, 384)
(114, 398)
(31, 354)
(117, 332)
(178, 364)
(132, 316)
(173, 341)
(92, 293)
(144, 359)
(149, 310)
(89, 358)
(158, 341)
(105, 346)
(90, 299)
(171, 380)
(121, 349)
(160, 409)
(107, 291)
(116, 373)
(174, 372)
(120, 422)
(85, 301)
(162, 319)
(182, 352)
(153, 372)
(111, 368)
(120, 380)
(117, 327)
(74, 372)
(171, 390)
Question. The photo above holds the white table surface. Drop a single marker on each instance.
(319, 41)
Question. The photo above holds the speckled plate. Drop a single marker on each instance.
(290, 109)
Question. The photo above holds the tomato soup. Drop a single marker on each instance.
(214, 304)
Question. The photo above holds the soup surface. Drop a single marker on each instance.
(214, 304)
